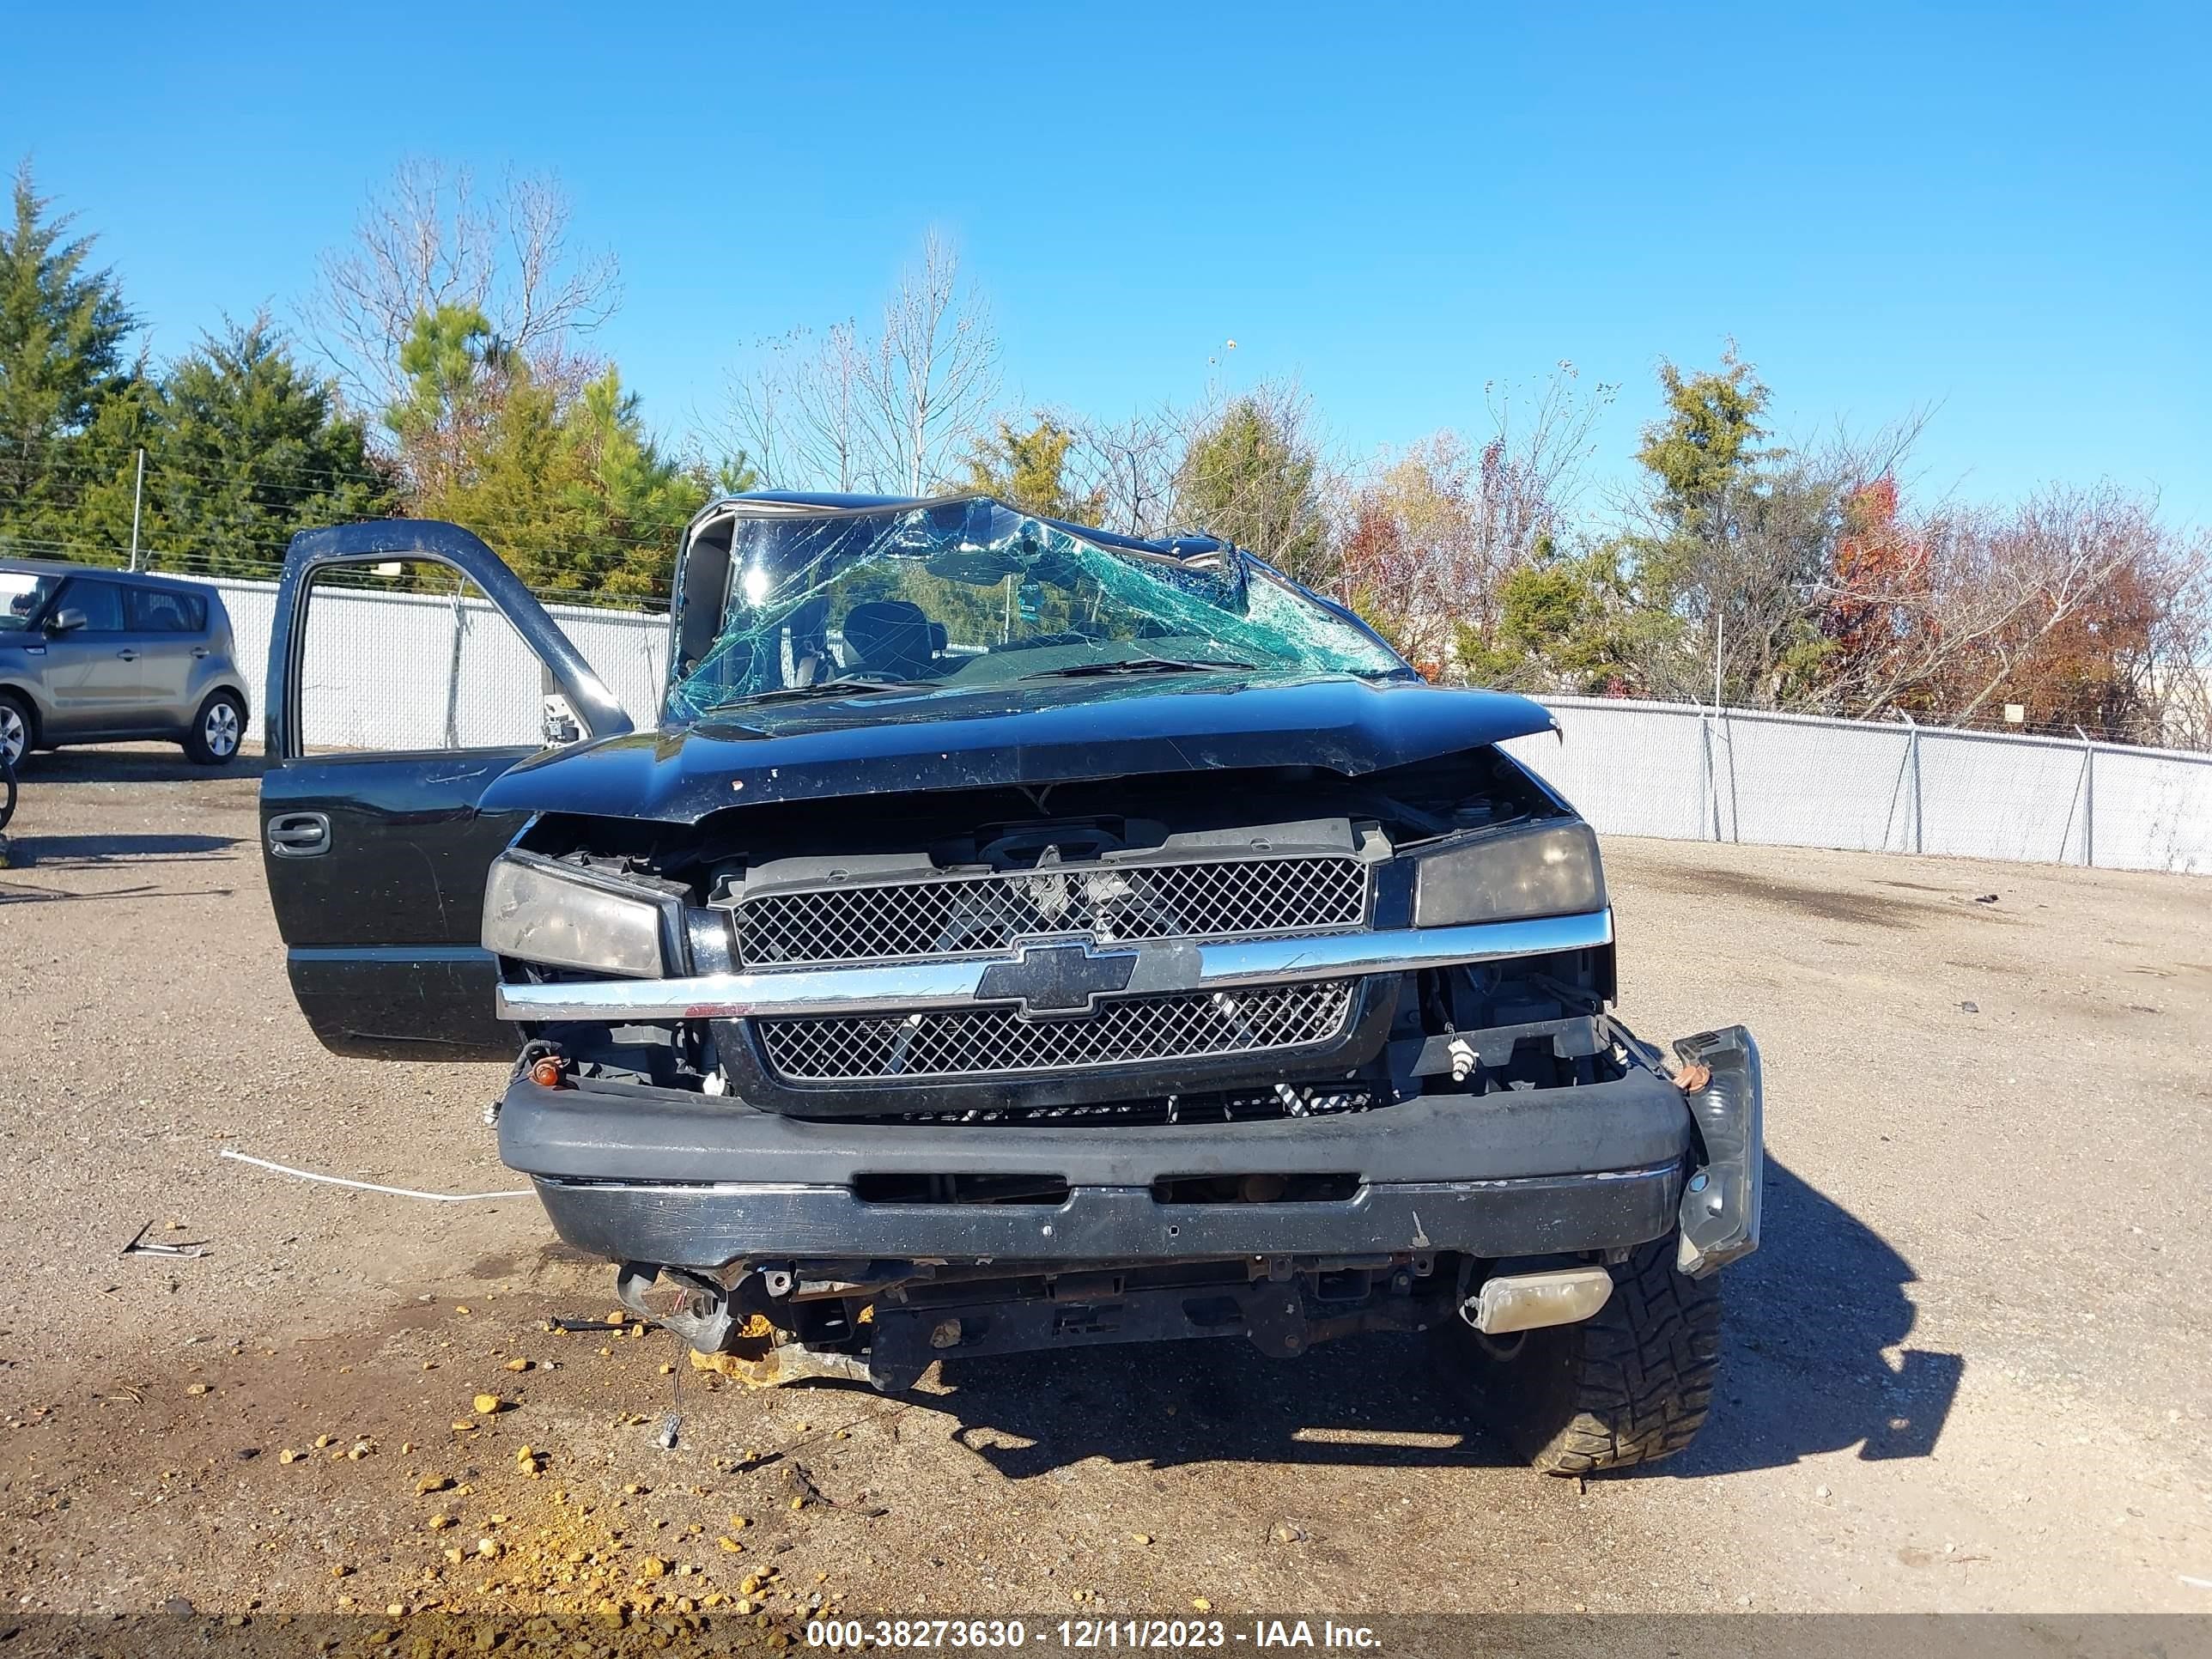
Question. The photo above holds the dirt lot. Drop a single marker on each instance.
(1966, 1371)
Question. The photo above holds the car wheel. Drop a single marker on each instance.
(1630, 1384)
(7, 790)
(217, 730)
(16, 728)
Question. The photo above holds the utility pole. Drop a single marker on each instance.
(1720, 629)
(138, 496)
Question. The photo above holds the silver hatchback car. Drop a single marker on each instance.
(105, 656)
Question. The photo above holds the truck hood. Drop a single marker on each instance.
(1046, 733)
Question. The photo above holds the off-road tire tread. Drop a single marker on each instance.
(1641, 1377)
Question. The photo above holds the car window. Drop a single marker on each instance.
(102, 603)
(22, 594)
(158, 610)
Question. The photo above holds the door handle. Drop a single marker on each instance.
(199, 651)
(128, 654)
(299, 835)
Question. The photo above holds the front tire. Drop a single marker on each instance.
(218, 731)
(1629, 1385)
(19, 728)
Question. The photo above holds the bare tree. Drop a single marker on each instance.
(897, 411)
(2078, 603)
(930, 378)
(427, 239)
(798, 412)
(1429, 538)
(1129, 466)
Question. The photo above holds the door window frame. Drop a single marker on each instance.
(315, 552)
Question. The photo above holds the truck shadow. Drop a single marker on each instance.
(1804, 1371)
(97, 851)
(146, 764)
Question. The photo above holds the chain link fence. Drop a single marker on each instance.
(420, 670)
(399, 671)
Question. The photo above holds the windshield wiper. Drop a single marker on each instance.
(1142, 666)
(857, 686)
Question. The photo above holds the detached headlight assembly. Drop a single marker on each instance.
(542, 911)
(1548, 868)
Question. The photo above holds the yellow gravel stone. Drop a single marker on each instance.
(518, 1364)
(1201, 1604)
(198, 1387)
(439, 1522)
(652, 1567)
(486, 1404)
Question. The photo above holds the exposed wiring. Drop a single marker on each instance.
(366, 1186)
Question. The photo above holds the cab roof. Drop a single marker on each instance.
(61, 568)
(1175, 547)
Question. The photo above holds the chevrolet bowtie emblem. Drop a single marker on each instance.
(1057, 979)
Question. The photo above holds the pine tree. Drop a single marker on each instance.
(64, 326)
(250, 447)
(1028, 471)
(1251, 478)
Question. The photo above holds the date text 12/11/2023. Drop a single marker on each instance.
(1087, 1634)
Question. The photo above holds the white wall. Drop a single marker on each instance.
(1672, 769)
(383, 672)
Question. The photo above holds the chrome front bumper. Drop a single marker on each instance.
(1158, 967)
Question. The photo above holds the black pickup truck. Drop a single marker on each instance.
(1013, 936)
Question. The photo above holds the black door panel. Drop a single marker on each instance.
(381, 912)
(382, 921)
(404, 1002)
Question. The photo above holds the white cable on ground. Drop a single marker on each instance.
(367, 1186)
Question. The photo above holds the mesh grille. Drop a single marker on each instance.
(998, 1041)
(972, 915)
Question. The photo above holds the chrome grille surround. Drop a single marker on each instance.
(999, 1043)
(1120, 902)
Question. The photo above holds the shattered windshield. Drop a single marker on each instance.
(968, 594)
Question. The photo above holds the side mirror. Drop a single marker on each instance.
(65, 622)
(561, 727)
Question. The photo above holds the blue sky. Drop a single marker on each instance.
(2003, 212)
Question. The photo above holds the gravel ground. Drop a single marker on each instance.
(1966, 1371)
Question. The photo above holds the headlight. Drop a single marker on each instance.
(1545, 869)
(545, 912)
